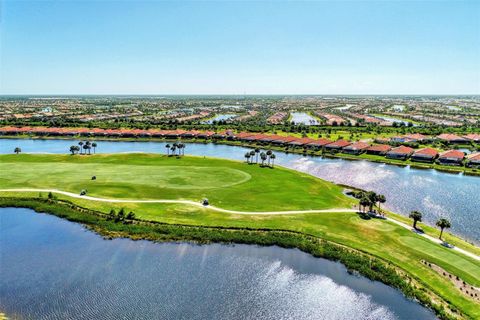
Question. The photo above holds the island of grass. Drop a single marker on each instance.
(136, 179)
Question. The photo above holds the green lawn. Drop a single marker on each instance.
(236, 185)
(227, 184)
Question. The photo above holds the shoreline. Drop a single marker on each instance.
(319, 153)
(237, 144)
(366, 264)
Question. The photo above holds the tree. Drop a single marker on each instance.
(263, 156)
(168, 149)
(381, 199)
(81, 145)
(247, 156)
(372, 196)
(17, 150)
(252, 154)
(364, 202)
(111, 215)
(130, 216)
(443, 224)
(273, 156)
(269, 153)
(257, 151)
(94, 145)
(416, 216)
(73, 149)
(86, 147)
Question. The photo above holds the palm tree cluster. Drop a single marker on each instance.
(174, 147)
(87, 146)
(369, 199)
(268, 156)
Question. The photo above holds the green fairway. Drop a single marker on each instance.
(238, 186)
(227, 184)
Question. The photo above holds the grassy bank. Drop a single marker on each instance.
(234, 185)
(355, 261)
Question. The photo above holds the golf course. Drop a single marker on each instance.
(171, 190)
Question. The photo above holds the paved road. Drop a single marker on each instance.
(210, 207)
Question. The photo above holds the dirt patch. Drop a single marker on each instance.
(467, 289)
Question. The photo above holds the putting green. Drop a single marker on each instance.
(172, 177)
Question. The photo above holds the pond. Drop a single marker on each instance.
(436, 194)
(55, 269)
(220, 117)
(303, 118)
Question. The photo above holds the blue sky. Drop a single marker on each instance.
(269, 47)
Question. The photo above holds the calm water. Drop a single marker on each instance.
(220, 117)
(55, 269)
(304, 118)
(395, 120)
(432, 192)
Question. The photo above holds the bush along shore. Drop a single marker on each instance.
(355, 261)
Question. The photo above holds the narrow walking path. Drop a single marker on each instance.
(210, 207)
(188, 202)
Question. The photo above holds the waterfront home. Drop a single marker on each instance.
(401, 153)
(243, 135)
(319, 143)
(255, 137)
(282, 140)
(424, 155)
(356, 148)
(473, 160)
(337, 145)
(205, 134)
(378, 149)
(451, 157)
(451, 138)
(475, 137)
(300, 142)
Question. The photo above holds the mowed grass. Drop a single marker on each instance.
(227, 184)
(280, 189)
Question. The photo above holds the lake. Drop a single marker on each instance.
(432, 192)
(55, 269)
(220, 117)
(303, 118)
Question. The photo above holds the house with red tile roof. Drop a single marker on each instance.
(337, 145)
(243, 135)
(255, 137)
(473, 160)
(475, 137)
(451, 138)
(401, 153)
(356, 148)
(378, 149)
(451, 157)
(205, 134)
(417, 137)
(424, 155)
(300, 142)
(319, 143)
(282, 140)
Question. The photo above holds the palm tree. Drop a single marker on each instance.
(73, 149)
(273, 156)
(257, 151)
(269, 153)
(81, 145)
(372, 196)
(168, 149)
(443, 224)
(17, 150)
(94, 145)
(416, 216)
(247, 156)
(252, 154)
(174, 148)
(263, 156)
(364, 202)
(381, 199)
(87, 145)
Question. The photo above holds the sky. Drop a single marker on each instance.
(268, 47)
